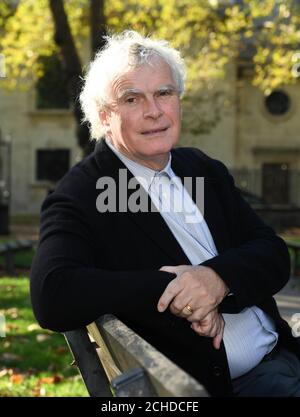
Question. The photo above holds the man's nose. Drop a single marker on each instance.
(152, 108)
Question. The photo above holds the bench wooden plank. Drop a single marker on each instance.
(134, 382)
(109, 365)
(113, 360)
(130, 351)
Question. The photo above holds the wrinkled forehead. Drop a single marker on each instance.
(149, 76)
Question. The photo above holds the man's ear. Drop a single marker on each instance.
(105, 120)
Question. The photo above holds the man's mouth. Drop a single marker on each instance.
(154, 131)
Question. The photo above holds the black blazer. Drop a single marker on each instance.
(90, 263)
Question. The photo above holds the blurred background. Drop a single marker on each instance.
(242, 106)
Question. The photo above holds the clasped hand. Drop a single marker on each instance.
(202, 289)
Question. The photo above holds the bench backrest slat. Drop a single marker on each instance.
(131, 351)
(109, 354)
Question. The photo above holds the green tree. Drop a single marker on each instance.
(45, 29)
(208, 32)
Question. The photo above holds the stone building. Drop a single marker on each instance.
(41, 145)
(256, 137)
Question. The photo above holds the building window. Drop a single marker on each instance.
(51, 88)
(275, 183)
(278, 103)
(51, 165)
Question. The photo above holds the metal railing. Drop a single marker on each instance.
(251, 181)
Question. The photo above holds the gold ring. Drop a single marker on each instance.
(189, 308)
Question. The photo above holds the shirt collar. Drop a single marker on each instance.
(144, 174)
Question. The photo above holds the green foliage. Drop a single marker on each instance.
(209, 34)
(7, 9)
(29, 34)
(276, 44)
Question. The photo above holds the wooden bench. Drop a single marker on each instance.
(115, 361)
(9, 249)
(295, 259)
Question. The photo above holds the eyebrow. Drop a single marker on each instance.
(136, 91)
(129, 91)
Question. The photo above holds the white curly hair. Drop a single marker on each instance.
(122, 52)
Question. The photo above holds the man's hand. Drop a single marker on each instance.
(211, 326)
(198, 287)
(201, 289)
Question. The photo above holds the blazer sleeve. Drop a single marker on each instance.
(67, 289)
(258, 266)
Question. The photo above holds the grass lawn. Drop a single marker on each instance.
(33, 361)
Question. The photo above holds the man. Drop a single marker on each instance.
(198, 288)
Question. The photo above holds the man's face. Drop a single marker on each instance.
(143, 119)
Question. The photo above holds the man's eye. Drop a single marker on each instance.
(165, 93)
(131, 100)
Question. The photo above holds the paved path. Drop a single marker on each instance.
(288, 300)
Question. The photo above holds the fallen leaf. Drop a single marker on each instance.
(33, 326)
(16, 378)
(61, 350)
(46, 380)
(55, 379)
(3, 372)
(12, 312)
(39, 392)
(11, 326)
(42, 337)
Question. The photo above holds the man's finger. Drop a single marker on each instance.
(171, 269)
(168, 295)
(178, 269)
(219, 337)
(217, 341)
(200, 314)
(196, 326)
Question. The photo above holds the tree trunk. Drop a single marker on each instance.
(98, 25)
(73, 68)
(97, 33)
